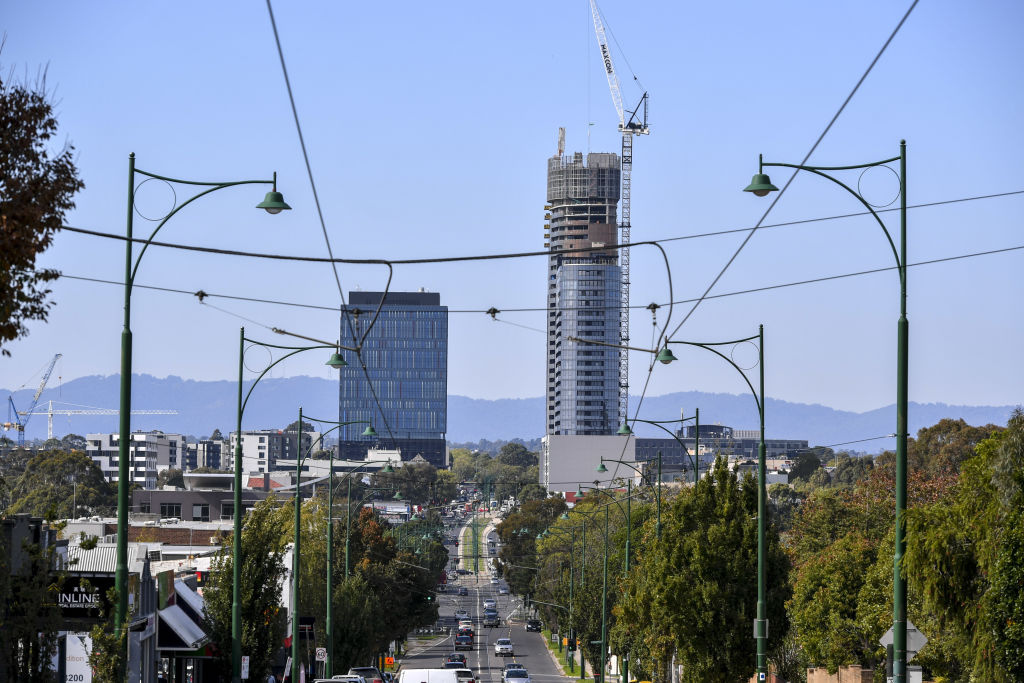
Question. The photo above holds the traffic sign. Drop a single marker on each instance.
(244, 673)
(915, 639)
(321, 654)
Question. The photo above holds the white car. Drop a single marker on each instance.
(503, 648)
(494, 581)
(502, 591)
(516, 676)
(461, 614)
(490, 602)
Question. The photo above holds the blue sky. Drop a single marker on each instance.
(429, 126)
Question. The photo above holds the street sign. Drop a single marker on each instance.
(245, 667)
(321, 654)
(915, 640)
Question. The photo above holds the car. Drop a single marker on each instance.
(533, 625)
(494, 581)
(465, 622)
(370, 673)
(461, 614)
(503, 648)
(463, 572)
(463, 590)
(463, 642)
(512, 665)
(516, 676)
(491, 603)
(456, 657)
(465, 631)
(454, 665)
(465, 675)
(502, 591)
(427, 676)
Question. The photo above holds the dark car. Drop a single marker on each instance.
(463, 642)
(533, 625)
(456, 657)
(370, 674)
(463, 590)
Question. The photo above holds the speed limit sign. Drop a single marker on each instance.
(321, 654)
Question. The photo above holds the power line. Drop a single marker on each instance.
(202, 294)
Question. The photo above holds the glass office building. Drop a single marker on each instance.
(406, 359)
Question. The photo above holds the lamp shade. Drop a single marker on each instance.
(273, 203)
(370, 431)
(624, 430)
(388, 469)
(760, 185)
(336, 361)
(666, 356)
(601, 467)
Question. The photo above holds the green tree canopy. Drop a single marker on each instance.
(263, 626)
(53, 482)
(36, 190)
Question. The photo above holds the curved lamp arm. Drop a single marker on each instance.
(819, 170)
(710, 347)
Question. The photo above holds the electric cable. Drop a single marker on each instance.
(323, 227)
(764, 288)
(789, 181)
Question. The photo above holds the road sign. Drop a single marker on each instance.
(915, 640)
(321, 654)
(389, 662)
(245, 667)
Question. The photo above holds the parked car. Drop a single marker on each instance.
(533, 625)
(463, 642)
(503, 648)
(370, 673)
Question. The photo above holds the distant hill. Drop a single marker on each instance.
(204, 406)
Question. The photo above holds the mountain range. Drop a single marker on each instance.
(207, 405)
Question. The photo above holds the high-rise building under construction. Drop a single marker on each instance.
(584, 294)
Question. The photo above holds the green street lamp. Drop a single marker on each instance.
(695, 458)
(760, 186)
(335, 361)
(131, 269)
(369, 432)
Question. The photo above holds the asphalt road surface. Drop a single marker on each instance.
(530, 650)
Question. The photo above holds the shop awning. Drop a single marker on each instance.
(176, 631)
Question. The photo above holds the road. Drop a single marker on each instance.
(530, 649)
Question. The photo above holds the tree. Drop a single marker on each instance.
(262, 558)
(963, 555)
(170, 477)
(805, 464)
(36, 190)
(946, 444)
(73, 442)
(517, 455)
(29, 615)
(216, 436)
(53, 482)
(698, 584)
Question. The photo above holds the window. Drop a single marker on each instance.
(144, 507)
(227, 511)
(201, 512)
(170, 510)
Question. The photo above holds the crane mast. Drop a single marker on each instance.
(21, 424)
(633, 126)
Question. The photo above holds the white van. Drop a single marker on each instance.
(428, 676)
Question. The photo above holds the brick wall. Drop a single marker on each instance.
(846, 674)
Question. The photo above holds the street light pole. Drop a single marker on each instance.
(761, 185)
(604, 602)
(273, 203)
(336, 362)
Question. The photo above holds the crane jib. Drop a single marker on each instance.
(607, 57)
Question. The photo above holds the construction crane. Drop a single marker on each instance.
(87, 410)
(628, 127)
(15, 414)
